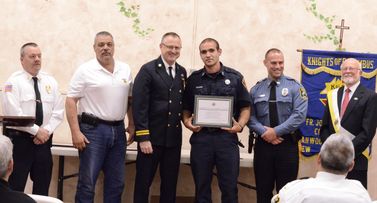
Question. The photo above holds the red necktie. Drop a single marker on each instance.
(345, 102)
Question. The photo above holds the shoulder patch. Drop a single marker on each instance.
(8, 87)
(303, 93)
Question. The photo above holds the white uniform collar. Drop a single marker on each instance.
(29, 76)
(167, 65)
(100, 67)
(329, 176)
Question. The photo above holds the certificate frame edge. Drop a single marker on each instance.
(230, 98)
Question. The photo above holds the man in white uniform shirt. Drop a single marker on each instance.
(31, 92)
(101, 87)
(335, 160)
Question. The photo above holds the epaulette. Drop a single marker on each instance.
(261, 81)
(231, 70)
(17, 73)
(197, 71)
(292, 79)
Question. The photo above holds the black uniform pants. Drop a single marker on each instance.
(274, 164)
(215, 149)
(168, 159)
(30, 158)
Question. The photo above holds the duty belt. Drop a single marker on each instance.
(94, 120)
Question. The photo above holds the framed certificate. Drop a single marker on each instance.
(213, 111)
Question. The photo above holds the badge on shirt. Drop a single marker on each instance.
(284, 92)
(8, 88)
(48, 89)
(227, 81)
(303, 94)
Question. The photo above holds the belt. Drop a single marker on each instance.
(112, 123)
(93, 120)
(9, 132)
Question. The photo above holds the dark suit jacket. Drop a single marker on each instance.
(9, 196)
(157, 104)
(360, 119)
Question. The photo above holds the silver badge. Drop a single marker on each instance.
(227, 81)
(262, 95)
(159, 65)
(356, 98)
(284, 92)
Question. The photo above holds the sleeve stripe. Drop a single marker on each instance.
(142, 132)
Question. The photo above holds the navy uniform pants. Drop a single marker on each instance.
(30, 158)
(168, 160)
(218, 149)
(274, 164)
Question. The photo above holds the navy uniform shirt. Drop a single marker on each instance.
(226, 82)
(292, 104)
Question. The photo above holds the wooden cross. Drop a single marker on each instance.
(342, 28)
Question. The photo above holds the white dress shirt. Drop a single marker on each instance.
(19, 100)
(324, 188)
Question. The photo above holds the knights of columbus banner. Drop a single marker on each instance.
(321, 73)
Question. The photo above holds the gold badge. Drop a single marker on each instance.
(48, 89)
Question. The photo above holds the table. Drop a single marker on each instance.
(246, 160)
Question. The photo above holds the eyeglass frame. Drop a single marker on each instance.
(170, 47)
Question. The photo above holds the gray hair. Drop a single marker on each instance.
(102, 33)
(173, 34)
(337, 154)
(351, 59)
(6, 154)
(29, 44)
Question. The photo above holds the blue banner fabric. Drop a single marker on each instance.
(321, 73)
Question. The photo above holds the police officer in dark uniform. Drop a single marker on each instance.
(279, 105)
(157, 112)
(215, 146)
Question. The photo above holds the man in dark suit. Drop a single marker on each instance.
(6, 167)
(157, 111)
(352, 110)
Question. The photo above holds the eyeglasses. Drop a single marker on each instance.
(171, 47)
(349, 68)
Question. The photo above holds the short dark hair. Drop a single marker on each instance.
(105, 33)
(29, 44)
(173, 34)
(272, 50)
(210, 40)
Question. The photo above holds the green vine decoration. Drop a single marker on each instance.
(132, 12)
(328, 21)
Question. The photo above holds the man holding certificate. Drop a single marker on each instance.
(216, 107)
(279, 107)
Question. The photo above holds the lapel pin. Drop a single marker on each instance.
(159, 65)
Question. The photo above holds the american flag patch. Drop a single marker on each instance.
(8, 88)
